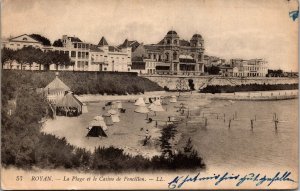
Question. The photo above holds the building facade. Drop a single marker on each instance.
(84, 56)
(175, 56)
(249, 68)
(21, 41)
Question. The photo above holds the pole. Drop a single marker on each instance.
(229, 123)
(251, 121)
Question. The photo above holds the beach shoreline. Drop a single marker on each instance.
(249, 96)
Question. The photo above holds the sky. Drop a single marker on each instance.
(230, 28)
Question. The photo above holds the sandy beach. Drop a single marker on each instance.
(129, 132)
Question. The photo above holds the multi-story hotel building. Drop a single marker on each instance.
(84, 56)
(173, 55)
(249, 68)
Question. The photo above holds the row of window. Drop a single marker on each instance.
(167, 56)
(81, 46)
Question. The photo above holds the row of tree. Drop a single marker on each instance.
(30, 55)
(45, 41)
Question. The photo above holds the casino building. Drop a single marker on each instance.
(172, 55)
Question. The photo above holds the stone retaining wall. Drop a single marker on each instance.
(173, 82)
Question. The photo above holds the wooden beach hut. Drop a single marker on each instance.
(107, 119)
(114, 115)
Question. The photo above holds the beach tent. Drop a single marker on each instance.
(151, 105)
(139, 101)
(142, 109)
(107, 119)
(114, 115)
(114, 105)
(173, 99)
(84, 108)
(157, 106)
(98, 121)
(119, 104)
(96, 131)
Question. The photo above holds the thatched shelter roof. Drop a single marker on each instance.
(56, 86)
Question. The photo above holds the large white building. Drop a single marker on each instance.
(84, 56)
(249, 68)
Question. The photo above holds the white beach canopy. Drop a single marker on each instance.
(139, 101)
(119, 104)
(98, 121)
(173, 99)
(142, 109)
(114, 115)
(157, 106)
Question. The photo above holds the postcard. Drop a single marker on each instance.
(153, 95)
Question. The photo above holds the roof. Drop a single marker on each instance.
(137, 58)
(184, 43)
(69, 100)
(24, 38)
(95, 48)
(113, 49)
(103, 42)
(56, 86)
(172, 32)
(152, 47)
(196, 36)
(125, 44)
(74, 39)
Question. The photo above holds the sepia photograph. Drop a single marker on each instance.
(149, 94)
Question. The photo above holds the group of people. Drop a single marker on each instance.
(70, 111)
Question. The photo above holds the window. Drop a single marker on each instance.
(73, 54)
(87, 54)
(168, 41)
(154, 56)
(174, 56)
(105, 69)
(75, 45)
(79, 54)
(167, 56)
(175, 41)
(79, 45)
(24, 38)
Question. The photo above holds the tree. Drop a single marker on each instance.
(28, 55)
(45, 41)
(58, 43)
(58, 58)
(7, 55)
(213, 70)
